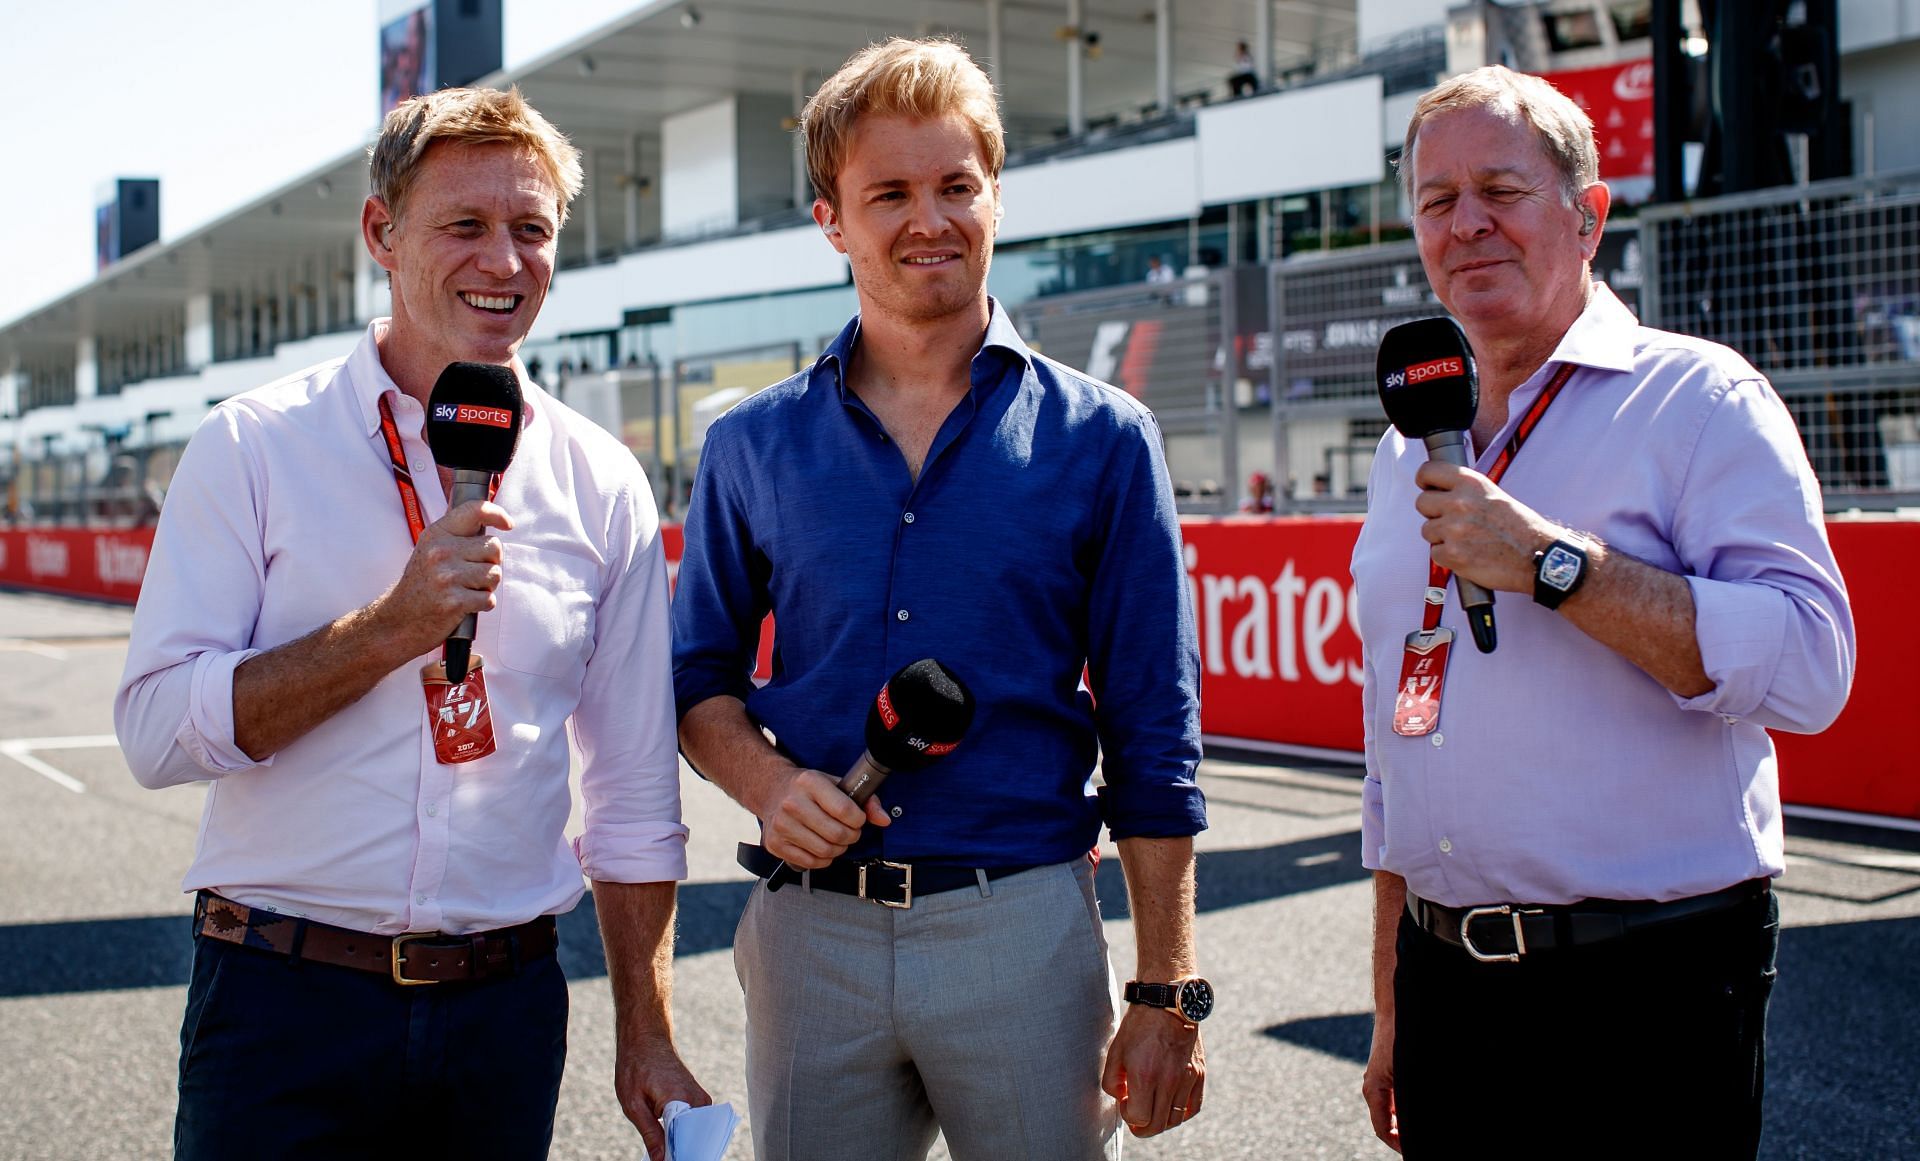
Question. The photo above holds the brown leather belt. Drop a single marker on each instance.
(418, 957)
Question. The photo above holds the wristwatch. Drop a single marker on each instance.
(1558, 571)
(1190, 999)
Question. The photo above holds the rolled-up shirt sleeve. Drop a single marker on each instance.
(1143, 653)
(1770, 608)
(199, 601)
(721, 595)
(624, 724)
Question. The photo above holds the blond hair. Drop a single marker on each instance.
(469, 117)
(912, 78)
(1564, 129)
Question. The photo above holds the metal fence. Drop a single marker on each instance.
(1819, 286)
(1269, 370)
(1167, 344)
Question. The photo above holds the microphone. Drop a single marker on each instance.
(1430, 390)
(918, 718)
(473, 423)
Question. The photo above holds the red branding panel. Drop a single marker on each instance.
(491, 416)
(884, 704)
(1445, 368)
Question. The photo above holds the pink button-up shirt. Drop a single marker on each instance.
(283, 516)
(1561, 771)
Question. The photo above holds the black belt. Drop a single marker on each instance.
(881, 881)
(1502, 933)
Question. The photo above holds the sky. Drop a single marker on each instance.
(222, 100)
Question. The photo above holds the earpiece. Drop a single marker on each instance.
(1588, 220)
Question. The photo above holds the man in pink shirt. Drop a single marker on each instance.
(281, 652)
(1574, 836)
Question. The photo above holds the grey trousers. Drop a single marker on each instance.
(982, 1013)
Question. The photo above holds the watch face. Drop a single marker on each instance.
(1196, 1000)
(1559, 568)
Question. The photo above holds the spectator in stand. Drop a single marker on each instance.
(1243, 80)
(1259, 497)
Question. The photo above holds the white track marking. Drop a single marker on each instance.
(21, 750)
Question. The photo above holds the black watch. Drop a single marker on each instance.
(1190, 999)
(1558, 571)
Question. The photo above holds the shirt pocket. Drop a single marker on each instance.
(545, 606)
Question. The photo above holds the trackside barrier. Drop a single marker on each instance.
(1279, 654)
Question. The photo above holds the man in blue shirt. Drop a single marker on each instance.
(932, 488)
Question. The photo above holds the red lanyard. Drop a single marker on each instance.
(403, 479)
(1437, 577)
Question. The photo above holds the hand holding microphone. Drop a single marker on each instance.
(919, 717)
(473, 425)
(1431, 393)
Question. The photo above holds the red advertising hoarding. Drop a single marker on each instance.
(1279, 655)
(1619, 98)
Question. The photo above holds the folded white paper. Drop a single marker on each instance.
(700, 1134)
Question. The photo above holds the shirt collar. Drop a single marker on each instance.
(1000, 336)
(368, 377)
(1603, 337)
(370, 381)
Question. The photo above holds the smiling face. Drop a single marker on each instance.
(916, 217)
(1501, 246)
(471, 255)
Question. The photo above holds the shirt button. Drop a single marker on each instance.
(420, 898)
(433, 808)
(897, 811)
(1439, 739)
(1446, 846)
(908, 517)
(901, 615)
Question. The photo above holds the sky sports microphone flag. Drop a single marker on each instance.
(473, 424)
(1431, 392)
(918, 718)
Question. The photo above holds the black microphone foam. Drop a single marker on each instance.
(1427, 379)
(920, 716)
(1431, 391)
(473, 417)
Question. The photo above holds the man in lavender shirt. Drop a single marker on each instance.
(374, 965)
(1574, 934)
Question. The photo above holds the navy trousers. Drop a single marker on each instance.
(307, 1060)
(1652, 1045)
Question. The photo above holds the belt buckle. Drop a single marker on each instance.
(397, 958)
(1519, 936)
(906, 885)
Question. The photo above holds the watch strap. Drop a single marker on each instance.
(1153, 995)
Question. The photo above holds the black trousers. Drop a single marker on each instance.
(309, 1060)
(1648, 1046)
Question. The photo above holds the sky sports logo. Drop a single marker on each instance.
(1420, 372)
(472, 413)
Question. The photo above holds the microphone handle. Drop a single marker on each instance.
(1449, 447)
(468, 485)
(858, 784)
(865, 778)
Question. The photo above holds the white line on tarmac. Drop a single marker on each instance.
(20, 646)
(21, 751)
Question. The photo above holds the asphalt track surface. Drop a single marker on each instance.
(94, 953)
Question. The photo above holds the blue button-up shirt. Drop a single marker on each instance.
(1040, 539)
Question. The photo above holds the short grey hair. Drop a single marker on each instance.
(1565, 130)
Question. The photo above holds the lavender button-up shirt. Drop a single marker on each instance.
(1560, 770)
(283, 516)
